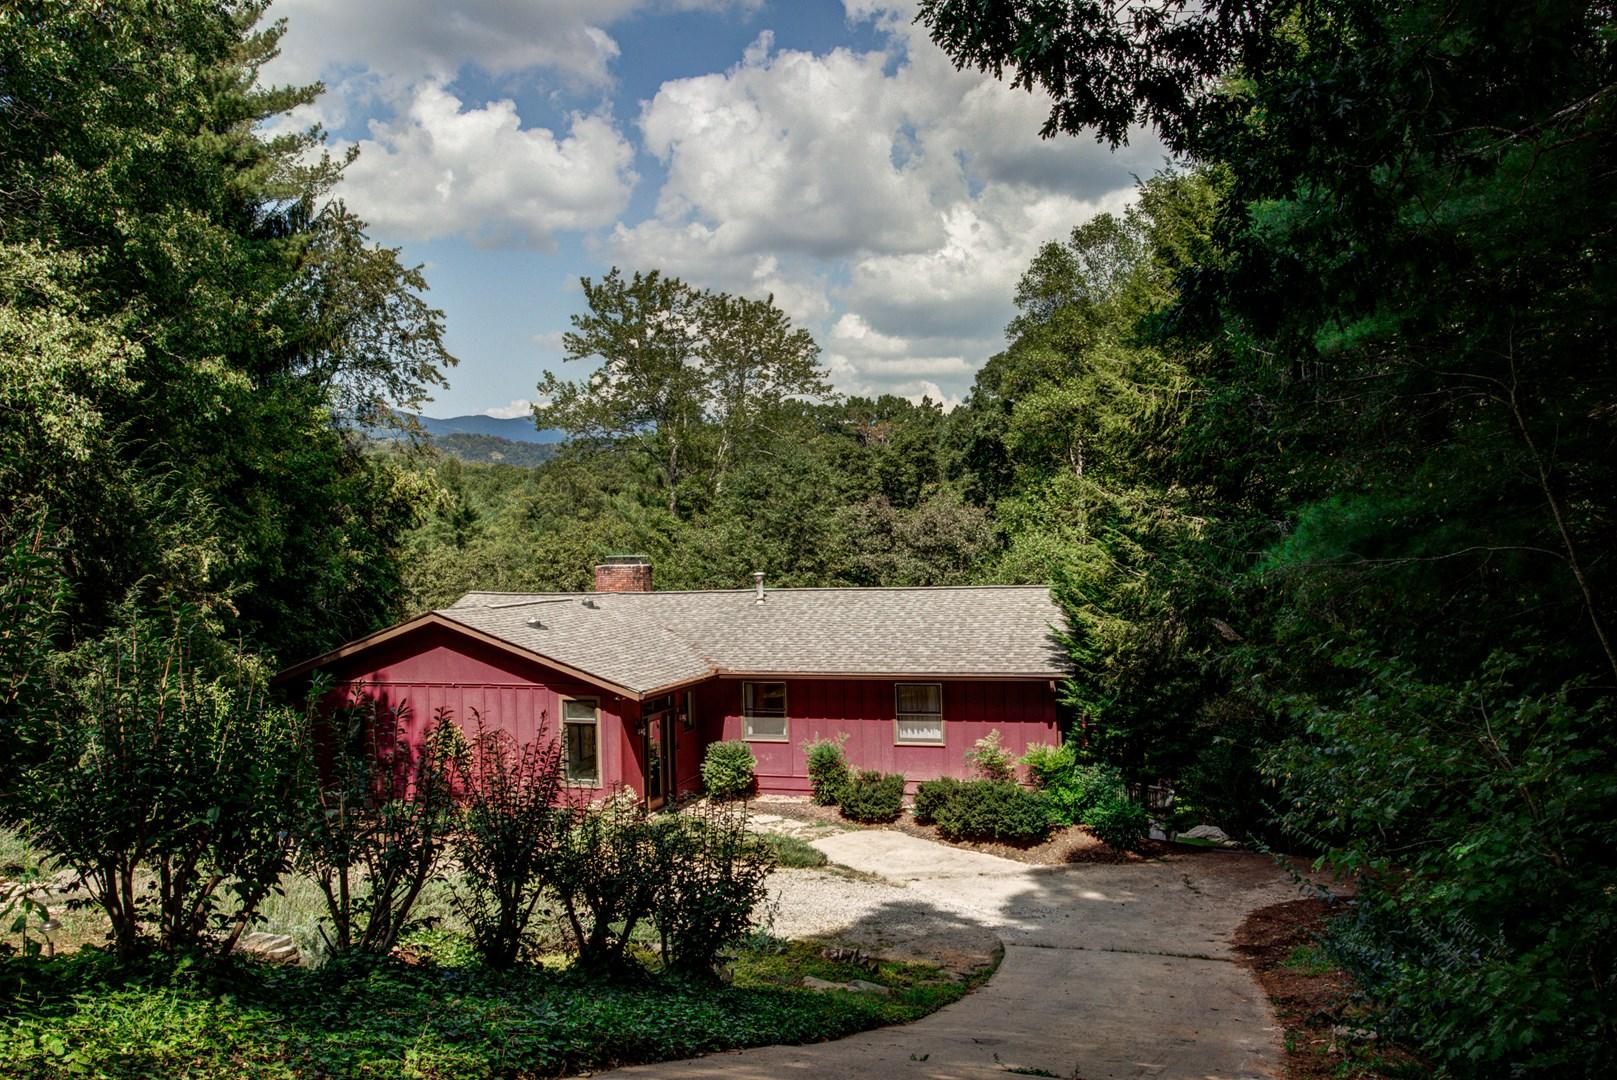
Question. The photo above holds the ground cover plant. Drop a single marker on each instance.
(445, 1017)
(794, 852)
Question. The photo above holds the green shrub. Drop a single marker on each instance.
(872, 797)
(994, 810)
(505, 830)
(931, 795)
(1073, 789)
(1121, 822)
(372, 826)
(710, 869)
(169, 758)
(1048, 765)
(991, 759)
(605, 872)
(827, 769)
(728, 768)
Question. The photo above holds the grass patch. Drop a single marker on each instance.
(16, 855)
(794, 852)
(1309, 960)
(442, 1017)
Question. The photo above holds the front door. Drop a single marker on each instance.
(659, 731)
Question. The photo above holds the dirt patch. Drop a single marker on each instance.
(1075, 844)
(1327, 1032)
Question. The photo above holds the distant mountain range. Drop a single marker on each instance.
(484, 439)
(516, 428)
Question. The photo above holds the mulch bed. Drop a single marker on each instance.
(1075, 844)
(1326, 1031)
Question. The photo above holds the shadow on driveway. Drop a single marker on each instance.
(1109, 971)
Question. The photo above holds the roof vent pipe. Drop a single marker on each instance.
(758, 586)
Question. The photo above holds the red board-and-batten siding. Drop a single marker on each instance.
(434, 667)
(1022, 711)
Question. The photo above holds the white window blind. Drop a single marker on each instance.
(920, 713)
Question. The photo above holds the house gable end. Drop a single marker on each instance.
(434, 649)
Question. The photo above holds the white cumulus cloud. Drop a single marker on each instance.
(888, 201)
(515, 408)
(440, 168)
(401, 41)
(891, 197)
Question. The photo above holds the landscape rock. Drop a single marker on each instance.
(1211, 833)
(64, 882)
(865, 986)
(857, 957)
(270, 948)
(856, 986)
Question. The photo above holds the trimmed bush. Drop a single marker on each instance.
(873, 797)
(728, 769)
(994, 810)
(931, 795)
(827, 769)
(1122, 823)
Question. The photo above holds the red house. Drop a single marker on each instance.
(640, 682)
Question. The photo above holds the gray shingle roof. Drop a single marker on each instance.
(646, 641)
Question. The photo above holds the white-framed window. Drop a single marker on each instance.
(581, 740)
(919, 709)
(763, 711)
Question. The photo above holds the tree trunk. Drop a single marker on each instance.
(673, 475)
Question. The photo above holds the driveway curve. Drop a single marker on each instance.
(1110, 971)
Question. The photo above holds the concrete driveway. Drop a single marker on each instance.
(1109, 971)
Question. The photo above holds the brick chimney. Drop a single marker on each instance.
(623, 573)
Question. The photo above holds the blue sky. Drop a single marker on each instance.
(822, 151)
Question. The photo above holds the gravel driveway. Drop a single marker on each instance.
(1110, 971)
